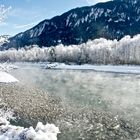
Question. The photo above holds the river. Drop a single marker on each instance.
(116, 93)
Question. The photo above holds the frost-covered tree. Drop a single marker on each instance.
(3, 12)
(98, 51)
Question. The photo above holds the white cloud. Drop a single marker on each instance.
(90, 2)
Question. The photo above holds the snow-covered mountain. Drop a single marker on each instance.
(4, 39)
(111, 20)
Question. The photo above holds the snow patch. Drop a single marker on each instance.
(41, 132)
(4, 76)
(7, 78)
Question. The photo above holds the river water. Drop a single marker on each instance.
(109, 92)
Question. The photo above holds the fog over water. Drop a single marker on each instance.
(115, 92)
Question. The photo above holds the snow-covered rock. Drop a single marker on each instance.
(11, 132)
(41, 132)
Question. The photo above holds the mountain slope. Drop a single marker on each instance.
(111, 20)
(4, 39)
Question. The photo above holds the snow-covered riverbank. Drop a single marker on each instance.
(7, 78)
(41, 132)
(4, 76)
(101, 68)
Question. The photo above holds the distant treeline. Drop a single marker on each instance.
(98, 51)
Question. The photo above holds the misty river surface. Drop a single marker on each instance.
(116, 92)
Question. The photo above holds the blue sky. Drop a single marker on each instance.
(24, 14)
